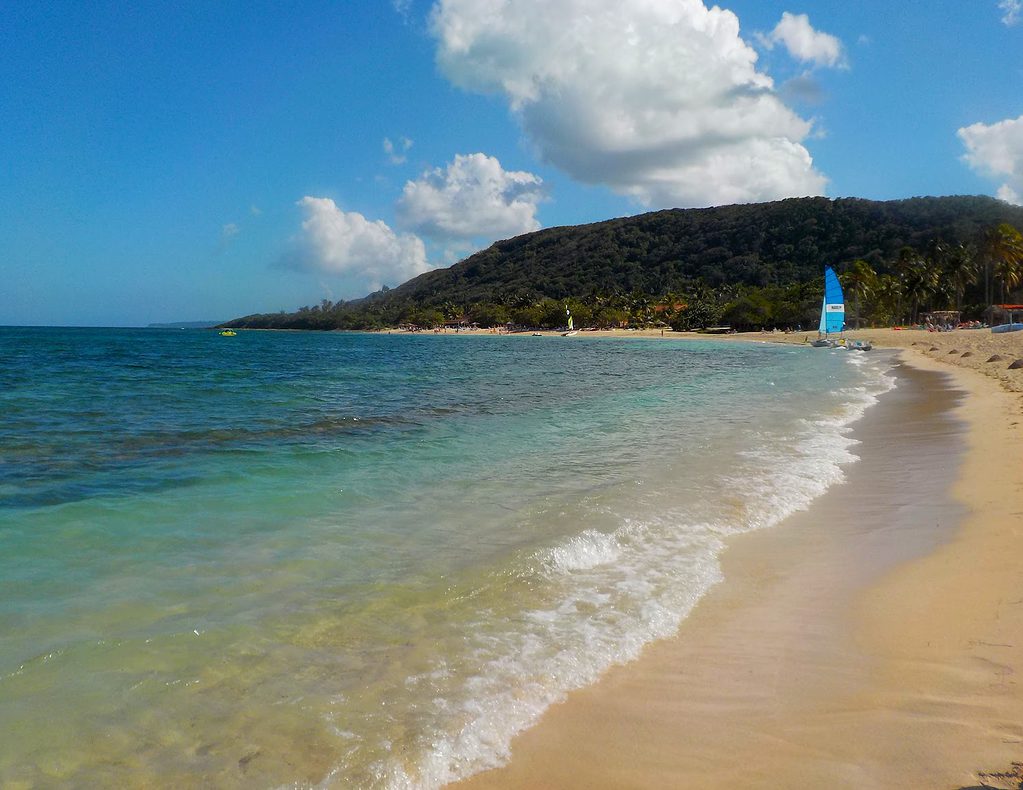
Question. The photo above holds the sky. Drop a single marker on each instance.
(195, 161)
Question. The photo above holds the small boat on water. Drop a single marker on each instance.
(832, 311)
(227, 333)
(859, 345)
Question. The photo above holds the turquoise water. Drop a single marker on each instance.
(367, 560)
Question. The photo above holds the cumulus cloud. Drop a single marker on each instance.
(803, 43)
(657, 99)
(473, 197)
(346, 243)
(1012, 10)
(997, 151)
(804, 88)
(396, 152)
(1009, 195)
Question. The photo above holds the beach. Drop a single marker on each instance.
(322, 559)
(883, 651)
(355, 559)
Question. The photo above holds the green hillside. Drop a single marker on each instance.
(716, 255)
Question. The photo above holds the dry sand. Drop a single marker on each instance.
(884, 651)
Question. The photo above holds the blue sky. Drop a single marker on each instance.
(193, 161)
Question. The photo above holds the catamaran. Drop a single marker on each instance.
(832, 311)
(571, 325)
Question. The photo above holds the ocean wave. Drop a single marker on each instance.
(621, 590)
(583, 552)
(608, 612)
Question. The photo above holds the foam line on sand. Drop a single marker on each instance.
(883, 651)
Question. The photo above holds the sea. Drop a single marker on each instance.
(290, 559)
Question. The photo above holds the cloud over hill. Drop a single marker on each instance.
(659, 100)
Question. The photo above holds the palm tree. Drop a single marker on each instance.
(960, 266)
(859, 280)
(1000, 247)
(918, 279)
(887, 299)
(923, 286)
(1007, 253)
(640, 305)
(987, 245)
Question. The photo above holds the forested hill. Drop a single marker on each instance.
(671, 251)
(661, 252)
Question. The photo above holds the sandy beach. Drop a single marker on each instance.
(881, 651)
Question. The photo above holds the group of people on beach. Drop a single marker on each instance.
(948, 327)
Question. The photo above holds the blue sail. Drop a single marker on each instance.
(833, 307)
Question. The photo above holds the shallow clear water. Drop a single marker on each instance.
(367, 560)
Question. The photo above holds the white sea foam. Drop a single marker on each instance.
(618, 591)
(546, 653)
(586, 550)
(797, 470)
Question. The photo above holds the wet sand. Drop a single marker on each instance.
(874, 640)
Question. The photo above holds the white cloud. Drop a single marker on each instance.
(997, 151)
(1013, 10)
(1009, 195)
(473, 197)
(396, 152)
(804, 88)
(228, 231)
(369, 253)
(403, 7)
(657, 99)
(803, 43)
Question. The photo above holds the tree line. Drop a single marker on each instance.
(745, 266)
(966, 277)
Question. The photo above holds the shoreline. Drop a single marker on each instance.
(908, 674)
(961, 348)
